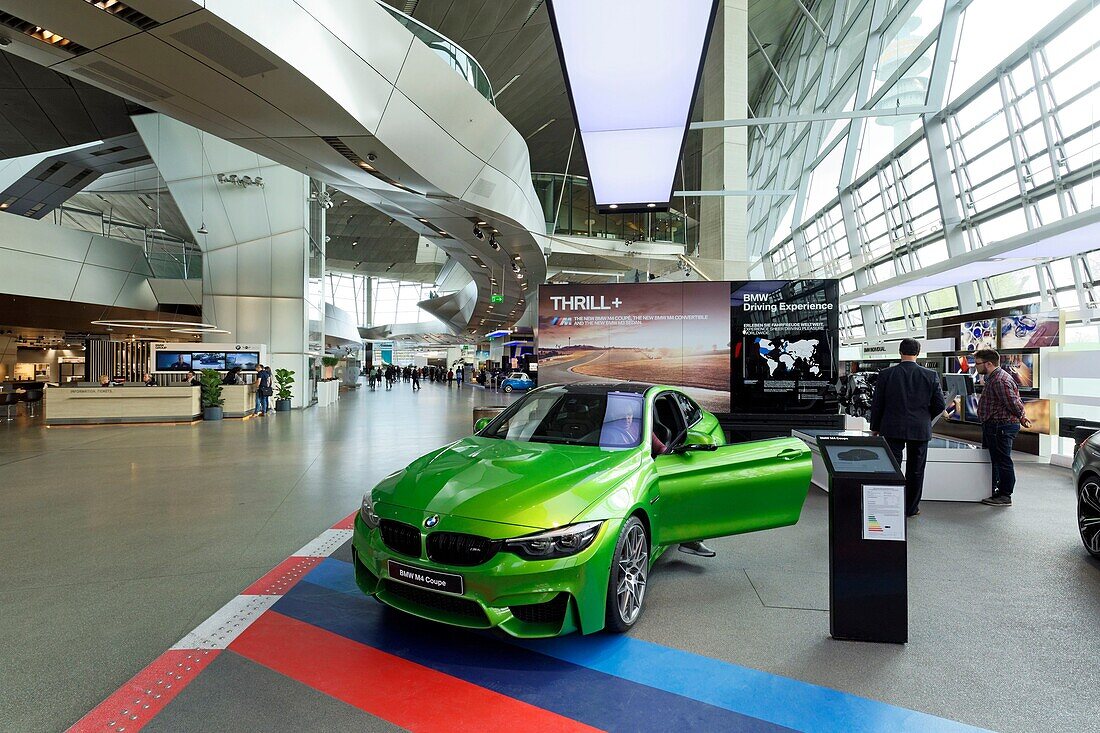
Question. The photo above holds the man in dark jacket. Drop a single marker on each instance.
(907, 398)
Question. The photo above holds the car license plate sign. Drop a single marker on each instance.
(430, 579)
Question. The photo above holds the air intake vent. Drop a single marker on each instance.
(78, 180)
(132, 81)
(45, 175)
(139, 159)
(114, 85)
(41, 34)
(108, 151)
(224, 50)
(341, 147)
(125, 12)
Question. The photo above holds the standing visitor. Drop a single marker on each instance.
(450, 377)
(416, 380)
(1002, 413)
(263, 389)
(458, 376)
(907, 397)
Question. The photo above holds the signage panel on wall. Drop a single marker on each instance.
(735, 347)
(181, 357)
(785, 336)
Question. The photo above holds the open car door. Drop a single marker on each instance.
(729, 489)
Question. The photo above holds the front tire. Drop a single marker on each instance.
(627, 580)
(1088, 513)
(507, 388)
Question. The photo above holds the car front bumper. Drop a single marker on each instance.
(523, 598)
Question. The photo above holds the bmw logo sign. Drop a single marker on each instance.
(431, 521)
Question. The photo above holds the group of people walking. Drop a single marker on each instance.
(389, 375)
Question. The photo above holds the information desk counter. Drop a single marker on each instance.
(101, 405)
(240, 400)
(956, 470)
(106, 405)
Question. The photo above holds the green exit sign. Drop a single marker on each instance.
(496, 298)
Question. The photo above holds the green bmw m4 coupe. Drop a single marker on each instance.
(549, 518)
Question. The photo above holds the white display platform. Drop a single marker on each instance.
(327, 393)
(956, 470)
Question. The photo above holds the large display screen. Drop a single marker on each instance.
(208, 360)
(859, 458)
(1029, 331)
(736, 347)
(173, 361)
(247, 360)
(978, 335)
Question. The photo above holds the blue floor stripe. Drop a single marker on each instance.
(760, 695)
(586, 695)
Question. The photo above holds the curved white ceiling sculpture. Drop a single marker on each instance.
(336, 89)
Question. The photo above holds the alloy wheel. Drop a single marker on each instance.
(633, 571)
(1088, 514)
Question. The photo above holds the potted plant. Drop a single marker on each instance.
(283, 379)
(329, 362)
(211, 394)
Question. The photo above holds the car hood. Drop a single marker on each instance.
(535, 485)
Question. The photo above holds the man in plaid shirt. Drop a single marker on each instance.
(1002, 413)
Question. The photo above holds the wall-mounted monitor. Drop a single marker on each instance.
(978, 335)
(1029, 331)
(1038, 411)
(959, 365)
(247, 360)
(173, 361)
(208, 360)
(1022, 367)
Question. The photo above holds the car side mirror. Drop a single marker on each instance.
(481, 424)
(689, 447)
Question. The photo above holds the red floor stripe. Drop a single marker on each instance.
(347, 522)
(134, 704)
(282, 577)
(404, 693)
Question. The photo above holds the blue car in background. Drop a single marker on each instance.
(517, 380)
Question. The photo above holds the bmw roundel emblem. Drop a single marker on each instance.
(431, 521)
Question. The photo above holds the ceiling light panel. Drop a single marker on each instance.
(632, 68)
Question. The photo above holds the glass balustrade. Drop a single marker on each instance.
(456, 57)
(568, 201)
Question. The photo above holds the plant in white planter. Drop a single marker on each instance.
(283, 379)
(211, 394)
(329, 363)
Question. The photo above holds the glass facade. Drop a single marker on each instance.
(990, 136)
(569, 209)
(377, 301)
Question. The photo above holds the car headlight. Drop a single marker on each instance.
(560, 542)
(366, 512)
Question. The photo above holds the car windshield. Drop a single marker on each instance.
(558, 415)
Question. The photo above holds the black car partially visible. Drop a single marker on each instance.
(1086, 473)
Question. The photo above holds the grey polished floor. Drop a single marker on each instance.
(116, 541)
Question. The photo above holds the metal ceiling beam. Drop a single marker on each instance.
(740, 192)
(768, 59)
(810, 17)
(815, 117)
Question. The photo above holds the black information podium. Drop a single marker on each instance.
(868, 594)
